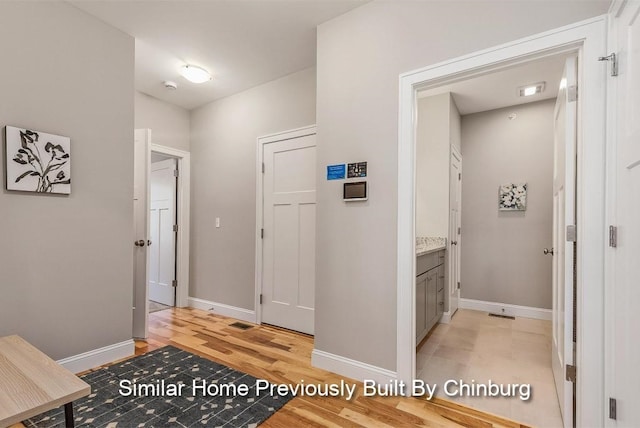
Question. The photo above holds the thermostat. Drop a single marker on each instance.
(355, 191)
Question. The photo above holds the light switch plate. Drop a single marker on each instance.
(217, 221)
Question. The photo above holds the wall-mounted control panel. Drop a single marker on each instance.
(355, 191)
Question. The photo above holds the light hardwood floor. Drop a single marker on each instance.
(283, 356)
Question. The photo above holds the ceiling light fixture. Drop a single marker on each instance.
(528, 90)
(195, 74)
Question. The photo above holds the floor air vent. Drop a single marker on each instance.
(509, 317)
(240, 325)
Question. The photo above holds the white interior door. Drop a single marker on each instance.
(625, 292)
(162, 218)
(455, 219)
(289, 207)
(564, 176)
(142, 141)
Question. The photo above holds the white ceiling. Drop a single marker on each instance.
(243, 43)
(500, 89)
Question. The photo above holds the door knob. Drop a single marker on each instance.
(547, 251)
(139, 243)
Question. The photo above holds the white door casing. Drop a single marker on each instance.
(288, 246)
(564, 214)
(162, 218)
(141, 156)
(622, 296)
(588, 39)
(455, 237)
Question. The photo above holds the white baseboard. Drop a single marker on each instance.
(350, 368)
(511, 310)
(222, 309)
(445, 319)
(98, 357)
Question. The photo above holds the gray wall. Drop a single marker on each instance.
(66, 261)
(224, 147)
(169, 123)
(502, 259)
(438, 129)
(360, 56)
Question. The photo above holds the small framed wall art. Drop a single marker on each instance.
(37, 161)
(512, 197)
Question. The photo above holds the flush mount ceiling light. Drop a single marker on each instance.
(195, 74)
(532, 89)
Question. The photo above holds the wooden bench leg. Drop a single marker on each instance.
(68, 415)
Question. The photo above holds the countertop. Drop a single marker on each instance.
(429, 244)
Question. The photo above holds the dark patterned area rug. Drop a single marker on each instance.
(216, 407)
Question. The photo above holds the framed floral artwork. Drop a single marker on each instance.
(37, 161)
(512, 197)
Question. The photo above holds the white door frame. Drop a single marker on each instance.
(588, 39)
(183, 211)
(272, 138)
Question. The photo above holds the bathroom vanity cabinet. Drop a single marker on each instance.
(430, 282)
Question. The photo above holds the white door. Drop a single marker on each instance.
(162, 218)
(455, 220)
(289, 207)
(142, 141)
(625, 293)
(564, 175)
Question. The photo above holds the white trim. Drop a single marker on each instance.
(509, 309)
(222, 309)
(260, 142)
(350, 368)
(588, 39)
(98, 357)
(184, 215)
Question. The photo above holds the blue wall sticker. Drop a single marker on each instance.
(336, 172)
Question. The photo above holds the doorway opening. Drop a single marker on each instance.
(485, 200)
(161, 235)
(586, 40)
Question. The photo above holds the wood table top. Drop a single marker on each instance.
(32, 383)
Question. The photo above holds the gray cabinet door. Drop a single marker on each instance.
(441, 284)
(421, 306)
(432, 294)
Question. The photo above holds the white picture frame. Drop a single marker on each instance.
(37, 161)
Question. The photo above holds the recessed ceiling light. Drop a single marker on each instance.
(528, 90)
(195, 74)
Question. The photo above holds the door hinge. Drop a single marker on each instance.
(175, 227)
(459, 229)
(571, 373)
(459, 176)
(571, 233)
(260, 298)
(174, 283)
(176, 173)
(613, 408)
(261, 233)
(458, 285)
(572, 93)
(263, 167)
(613, 236)
(614, 63)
